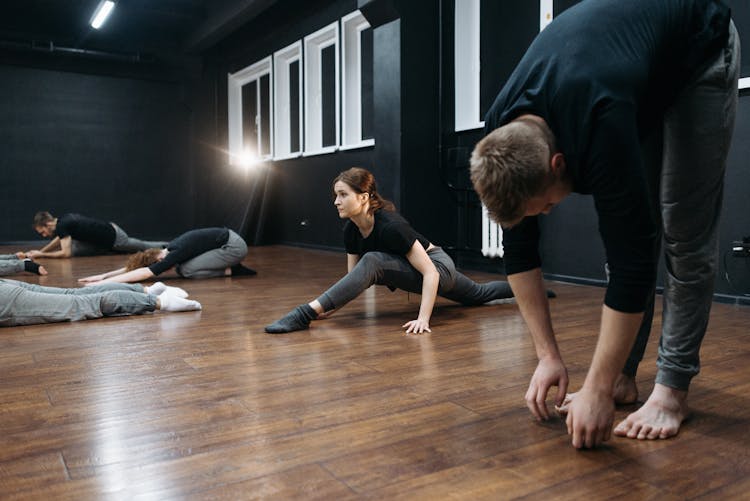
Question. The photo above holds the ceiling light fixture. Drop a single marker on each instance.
(102, 12)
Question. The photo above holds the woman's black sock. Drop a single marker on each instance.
(296, 320)
(240, 270)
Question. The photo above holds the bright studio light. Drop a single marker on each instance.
(247, 159)
(101, 13)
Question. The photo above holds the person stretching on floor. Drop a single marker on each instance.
(382, 248)
(28, 304)
(18, 262)
(201, 253)
(76, 235)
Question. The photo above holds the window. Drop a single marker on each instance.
(322, 90)
(250, 134)
(741, 18)
(356, 103)
(287, 88)
(546, 9)
(466, 65)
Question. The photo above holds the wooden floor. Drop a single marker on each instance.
(204, 405)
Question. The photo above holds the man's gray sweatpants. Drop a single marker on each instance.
(697, 134)
(123, 243)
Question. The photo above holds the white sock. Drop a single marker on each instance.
(175, 303)
(159, 288)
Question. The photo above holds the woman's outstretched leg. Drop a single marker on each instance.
(373, 268)
(470, 293)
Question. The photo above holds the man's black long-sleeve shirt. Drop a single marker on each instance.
(601, 75)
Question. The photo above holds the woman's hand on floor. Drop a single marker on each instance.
(417, 326)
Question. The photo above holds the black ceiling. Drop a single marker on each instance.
(135, 26)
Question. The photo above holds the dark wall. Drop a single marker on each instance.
(289, 201)
(426, 194)
(113, 147)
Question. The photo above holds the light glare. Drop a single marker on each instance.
(247, 159)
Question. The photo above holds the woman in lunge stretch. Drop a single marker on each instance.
(382, 248)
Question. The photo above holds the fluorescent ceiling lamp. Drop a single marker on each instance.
(102, 13)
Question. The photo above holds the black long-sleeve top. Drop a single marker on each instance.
(189, 245)
(602, 75)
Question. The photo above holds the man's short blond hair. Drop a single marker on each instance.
(511, 165)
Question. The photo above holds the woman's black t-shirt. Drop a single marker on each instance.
(391, 233)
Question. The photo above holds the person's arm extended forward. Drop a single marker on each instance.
(592, 411)
(531, 297)
(121, 276)
(102, 276)
(65, 244)
(418, 258)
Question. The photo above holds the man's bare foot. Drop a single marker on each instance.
(42, 270)
(660, 417)
(625, 392)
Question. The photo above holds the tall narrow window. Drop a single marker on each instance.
(466, 65)
(322, 90)
(250, 112)
(741, 19)
(356, 99)
(288, 101)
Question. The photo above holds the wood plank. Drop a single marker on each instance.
(205, 405)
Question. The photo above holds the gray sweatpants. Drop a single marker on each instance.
(696, 138)
(123, 243)
(10, 264)
(396, 272)
(25, 304)
(214, 263)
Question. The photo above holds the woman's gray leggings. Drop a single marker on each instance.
(215, 262)
(25, 304)
(395, 272)
(10, 264)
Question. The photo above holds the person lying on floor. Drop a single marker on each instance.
(28, 304)
(11, 264)
(76, 235)
(200, 253)
(382, 248)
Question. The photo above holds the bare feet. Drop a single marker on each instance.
(42, 270)
(625, 392)
(660, 417)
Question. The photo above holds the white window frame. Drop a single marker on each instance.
(546, 13)
(235, 82)
(352, 26)
(282, 59)
(313, 46)
(466, 58)
(466, 65)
